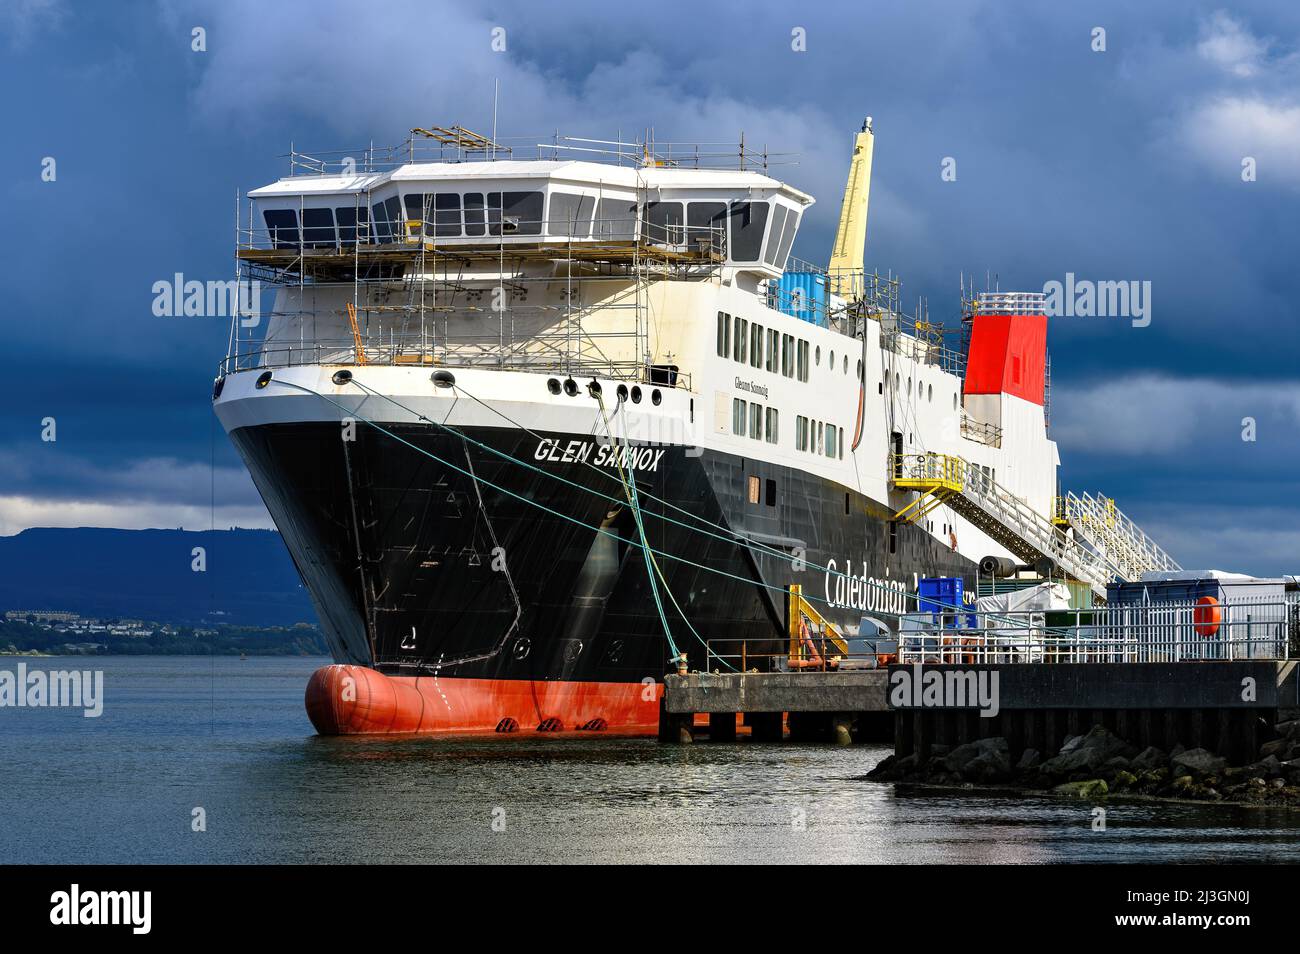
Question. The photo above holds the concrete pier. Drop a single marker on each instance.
(1219, 705)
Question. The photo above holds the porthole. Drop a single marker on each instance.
(594, 388)
(263, 380)
(817, 356)
(341, 377)
(860, 378)
(831, 363)
(846, 364)
(636, 395)
(443, 379)
(909, 387)
(929, 393)
(656, 398)
(553, 385)
(621, 393)
(522, 648)
(954, 402)
(570, 387)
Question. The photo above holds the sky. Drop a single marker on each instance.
(1115, 163)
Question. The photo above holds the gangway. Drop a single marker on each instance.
(946, 480)
(1108, 531)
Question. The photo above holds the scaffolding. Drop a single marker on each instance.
(543, 303)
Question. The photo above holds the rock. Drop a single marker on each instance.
(939, 751)
(1086, 754)
(1289, 730)
(1277, 747)
(1148, 759)
(1198, 762)
(1124, 780)
(1092, 788)
(1177, 750)
(985, 760)
(1029, 760)
(1072, 742)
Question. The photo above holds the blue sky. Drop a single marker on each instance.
(1122, 164)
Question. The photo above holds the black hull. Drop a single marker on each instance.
(415, 570)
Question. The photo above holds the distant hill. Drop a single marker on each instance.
(145, 574)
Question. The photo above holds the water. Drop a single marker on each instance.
(231, 737)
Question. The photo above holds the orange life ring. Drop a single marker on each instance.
(1207, 616)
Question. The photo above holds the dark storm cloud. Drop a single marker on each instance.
(1123, 164)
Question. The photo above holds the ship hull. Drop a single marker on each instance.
(490, 577)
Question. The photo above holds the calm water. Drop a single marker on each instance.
(232, 737)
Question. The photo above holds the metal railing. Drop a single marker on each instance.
(546, 357)
(981, 432)
(1131, 633)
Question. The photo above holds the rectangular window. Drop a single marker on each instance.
(893, 536)
(774, 234)
(514, 213)
(771, 425)
(787, 239)
(738, 407)
(801, 432)
(706, 222)
(821, 438)
(318, 228)
(753, 489)
(803, 361)
(446, 215)
(350, 230)
(756, 346)
(742, 335)
(282, 227)
(771, 492)
(475, 220)
(570, 214)
(748, 221)
(841, 443)
(787, 355)
(773, 340)
(616, 220)
(416, 212)
(724, 334)
(663, 223)
(756, 422)
(830, 442)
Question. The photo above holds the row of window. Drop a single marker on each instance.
(741, 226)
(760, 423)
(744, 342)
(818, 437)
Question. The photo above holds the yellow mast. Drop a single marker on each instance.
(851, 236)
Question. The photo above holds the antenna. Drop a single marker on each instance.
(496, 94)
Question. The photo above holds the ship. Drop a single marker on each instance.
(537, 431)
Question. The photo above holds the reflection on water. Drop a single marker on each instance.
(231, 737)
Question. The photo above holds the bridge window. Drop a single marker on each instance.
(663, 223)
(616, 219)
(446, 214)
(387, 216)
(774, 234)
(748, 223)
(282, 227)
(570, 214)
(706, 221)
(318, 228)
(787, 238)
(347, 217)
(475, 221)
(514, 213)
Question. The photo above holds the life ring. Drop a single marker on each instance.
(1207, 616)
